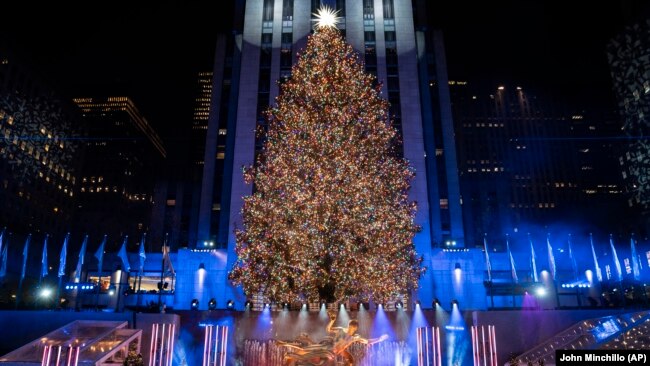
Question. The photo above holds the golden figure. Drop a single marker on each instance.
(304, 351)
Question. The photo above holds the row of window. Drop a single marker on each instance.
(539, 205)
(39, 162)
(486, 170)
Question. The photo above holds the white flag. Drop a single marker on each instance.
(80, 262)
(599, 273)
(487, 258)
(636, 269)
(64, 254)
(126, 266)
(551, 257)
(513, 270)
(143, 255)
(617, 263)
(44, 269)
(533, 260)
(3, 260)
(167, 261)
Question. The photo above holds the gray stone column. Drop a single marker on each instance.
(448, 140)
(412, 134)
(275, 52)
(380, 45)
(244, 147)
(301, 26)
(354, 25)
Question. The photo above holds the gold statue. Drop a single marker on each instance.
(304, 351)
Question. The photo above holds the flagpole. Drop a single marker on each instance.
(58, 294)
(576, 277)
(142, 267)
(141, 272)
(79, 270)
(140, 288)
(636, 267)
(617, 264)
(140, 282)
(61, 272)
(99, 284)
(126, 270)
(43, 260)
(553, 269)
(4, 254)
(99, 277)
(20, 291)
(44, 269)
(162, 274)
(22, 274)
(489, 267)
(513, 283)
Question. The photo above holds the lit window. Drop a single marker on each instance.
(444, 204)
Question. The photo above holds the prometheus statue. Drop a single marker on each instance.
(304, 351)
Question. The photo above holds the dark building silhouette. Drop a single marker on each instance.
(40, 151)
(629, 59)
(527, 159)
(124, 155)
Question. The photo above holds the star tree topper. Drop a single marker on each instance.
(327, 17)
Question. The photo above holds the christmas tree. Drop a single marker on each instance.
(330, 217)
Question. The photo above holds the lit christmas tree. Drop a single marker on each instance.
(330, 217)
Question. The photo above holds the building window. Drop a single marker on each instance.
(389, 12)
(287, 10)
(268, 10)
(315, 5)
(340, 7)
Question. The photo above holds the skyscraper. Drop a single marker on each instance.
(216, 162)
(200, 116)
(39, 151)
(176, 196)
(407, 60)
(629, 61)
(117, 181)
(517, 158)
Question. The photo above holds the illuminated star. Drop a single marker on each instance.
(326, 17)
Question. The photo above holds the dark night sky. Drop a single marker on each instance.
(152, 50)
